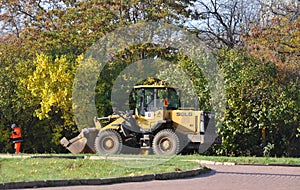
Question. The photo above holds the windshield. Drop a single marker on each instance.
(153, 99)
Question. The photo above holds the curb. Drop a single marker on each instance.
(206, 162)
(283, 165)
(105, 181)
(13, 156)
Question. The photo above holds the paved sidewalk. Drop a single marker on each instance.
(223, 177)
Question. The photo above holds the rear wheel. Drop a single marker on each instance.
(166, 142)
(108, 142)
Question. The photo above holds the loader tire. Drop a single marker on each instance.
(108, 142)
(166, 142)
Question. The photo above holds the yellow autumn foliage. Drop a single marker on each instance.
(51, 85)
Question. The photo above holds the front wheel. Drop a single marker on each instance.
(108, 142)
(166, 142)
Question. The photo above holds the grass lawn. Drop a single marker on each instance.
(30, 169)
(246, 160)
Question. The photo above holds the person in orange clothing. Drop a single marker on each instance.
(16, 137)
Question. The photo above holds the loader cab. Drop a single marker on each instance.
(150, 98)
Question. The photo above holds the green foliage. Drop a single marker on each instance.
(187, 76)
(256, 100)
(41, 47)
(267, 149)
(4, 138)
(43, 136)
(122, 60)
(278, 43)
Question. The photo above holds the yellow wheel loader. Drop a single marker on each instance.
(158, 123)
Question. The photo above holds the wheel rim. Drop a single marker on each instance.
(165, 144)
(108, 143)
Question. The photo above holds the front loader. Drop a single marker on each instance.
(158, 123)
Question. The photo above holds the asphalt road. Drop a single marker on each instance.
(222, 177)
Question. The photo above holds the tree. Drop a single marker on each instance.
(278, 43)
(256, 101)
(50, 86)
(275, 8)
(223, 23)
(66, 27)
(10, 112)
(55, 33)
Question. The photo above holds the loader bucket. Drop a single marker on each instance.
(83, 143)
(77, 146)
